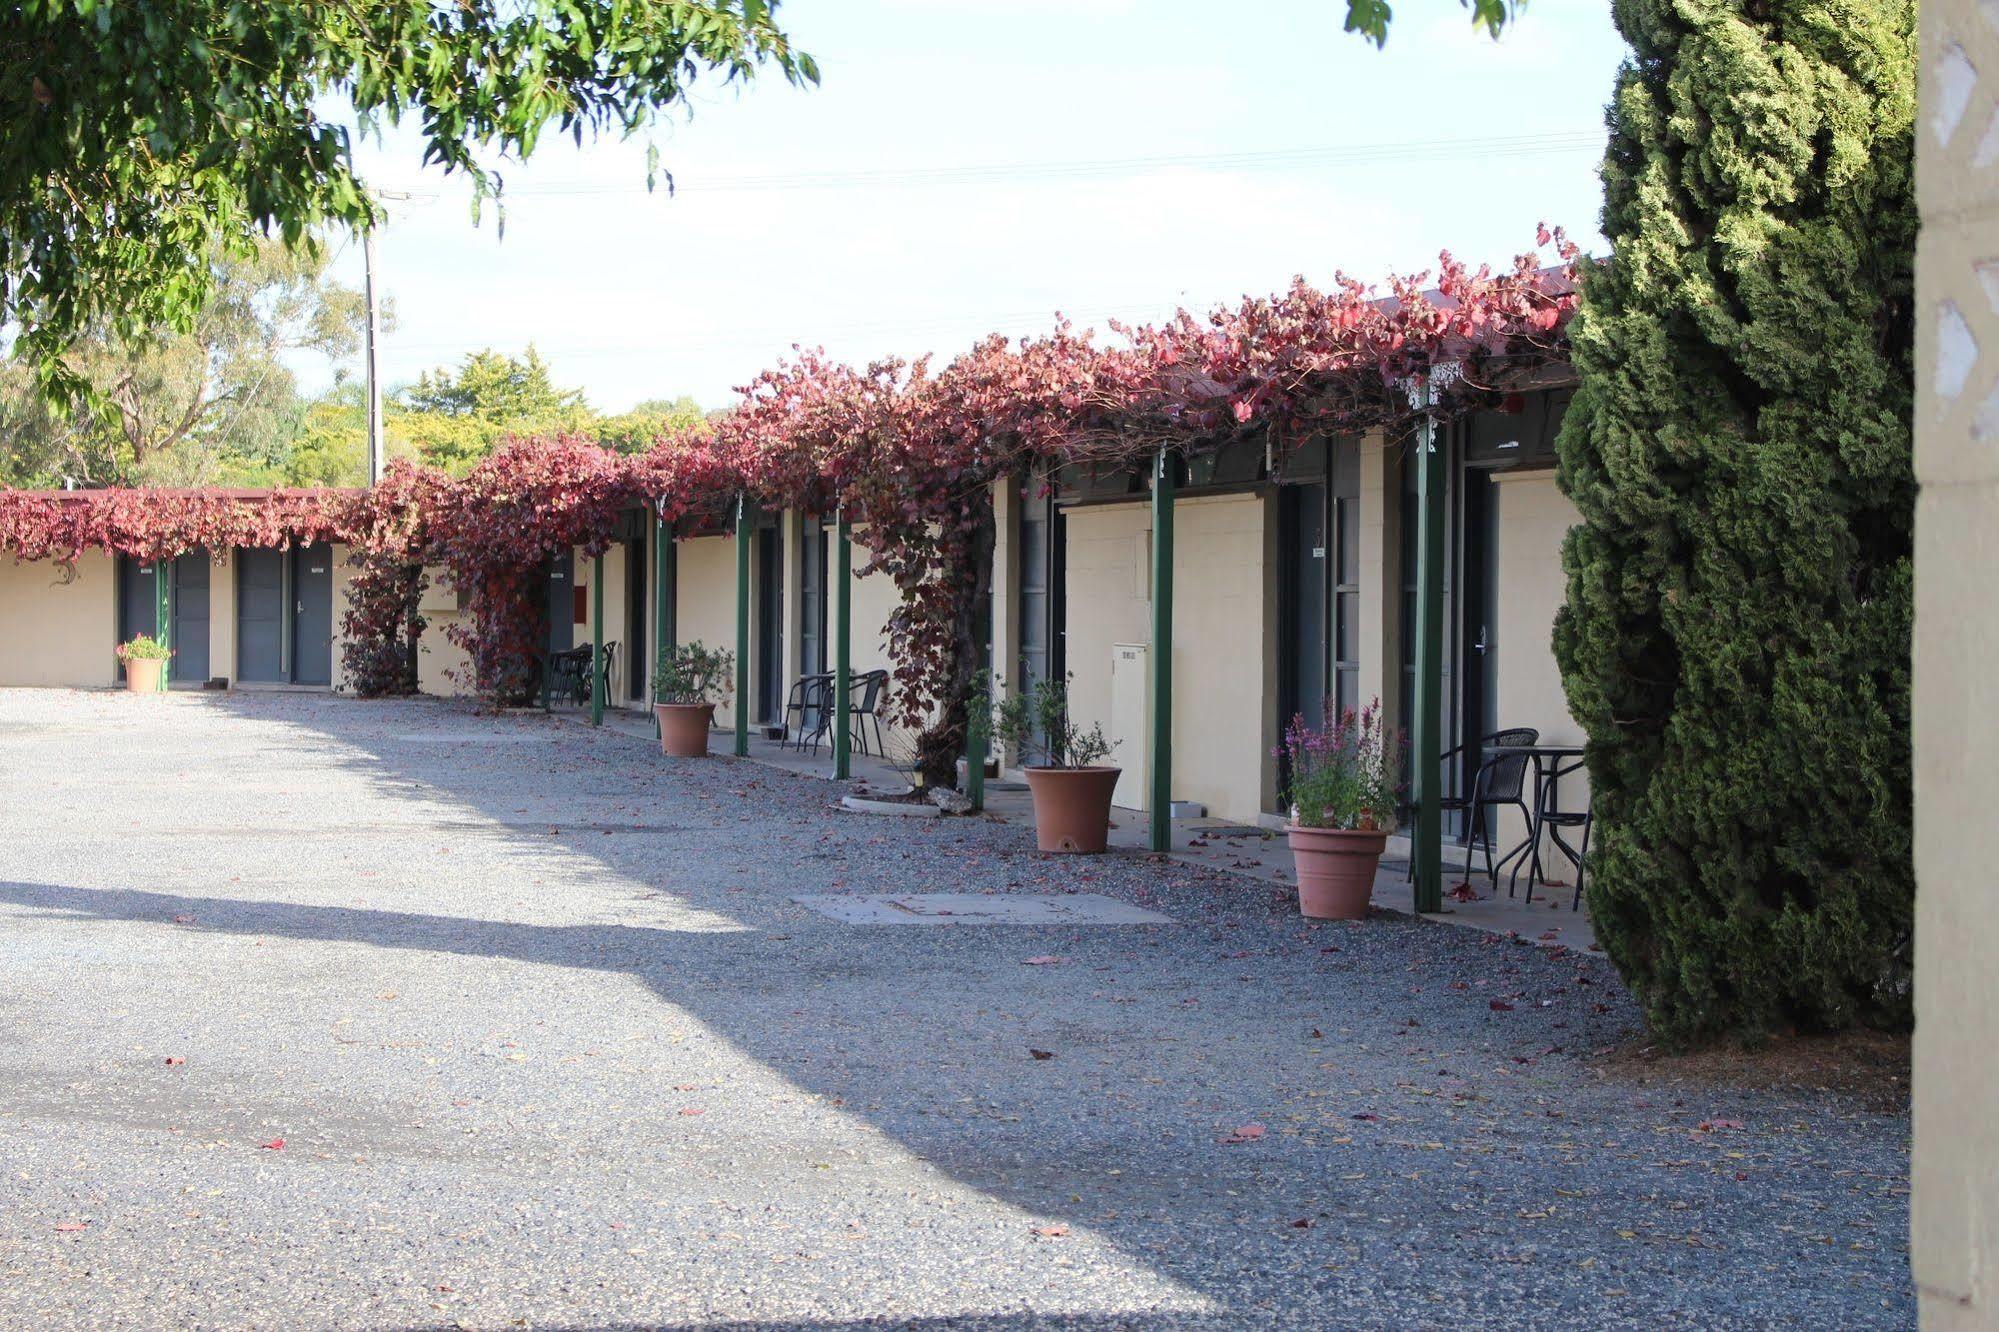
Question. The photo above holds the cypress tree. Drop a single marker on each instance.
(1736, 637)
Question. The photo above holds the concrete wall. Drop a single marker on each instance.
(1379, 626)
(1955, 1212)
(58, 627)
(1224, 632)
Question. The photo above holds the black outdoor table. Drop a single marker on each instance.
(1551, 764)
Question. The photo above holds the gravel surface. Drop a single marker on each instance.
(322, 1013)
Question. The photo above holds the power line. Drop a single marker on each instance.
(1266, 160)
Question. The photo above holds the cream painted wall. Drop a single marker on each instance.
(1379, 620)
(875, 600)
(442, 667)
(343, 591)
(59, 630)
(1955, 1211)
(705, 601)
(617, 628)
(222, 619)
(1533, 517)
(1223, 631)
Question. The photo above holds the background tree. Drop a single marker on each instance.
(1736, 638)
(142, 138)
(636, 430)
(1370, 18)
(216, 404)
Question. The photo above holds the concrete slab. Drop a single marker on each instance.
(978, 909)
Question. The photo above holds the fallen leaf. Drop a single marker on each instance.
(1043, 961)
(1499, 1006)
(1246, 1133)
(1041, 1054)
(274, 1145)
(1052, 1232)
(71, 1227)
(175, 1059)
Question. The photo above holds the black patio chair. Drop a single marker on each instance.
(808, 700)
(1554, 819)
(605, 668)
(1500, 779)
(872, 687)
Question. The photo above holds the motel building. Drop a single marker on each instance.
(1294, 579)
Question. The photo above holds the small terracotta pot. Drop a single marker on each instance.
(1072, 808)
(145, 675)
(683, 728)
(1335, 870)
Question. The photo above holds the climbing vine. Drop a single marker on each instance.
(910, 455)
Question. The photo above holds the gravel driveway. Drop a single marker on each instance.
(329, 1014)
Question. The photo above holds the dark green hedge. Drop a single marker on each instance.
(1736, 638)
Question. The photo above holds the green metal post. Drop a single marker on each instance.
(597, 681)
(843, 662)
(1162, 651)
(662, 572)
(742, 627)
(1426, 727)
(163, 613)
(975, 755)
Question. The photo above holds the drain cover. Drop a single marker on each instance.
(979, 909)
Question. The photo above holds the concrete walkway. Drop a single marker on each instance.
(1257, 853)
(330, 1014)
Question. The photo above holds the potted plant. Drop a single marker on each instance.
(1071, 785)
(689, 681)
(145, 659)
(1342, 791)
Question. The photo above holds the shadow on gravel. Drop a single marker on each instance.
(1425, 1138)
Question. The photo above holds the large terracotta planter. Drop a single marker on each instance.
(683, 728)
(145, 675)
(1335, 870)
(1072, 808)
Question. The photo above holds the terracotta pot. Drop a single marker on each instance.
(1072, 808)
(683, 728)
(145, 675)
(1335, 870)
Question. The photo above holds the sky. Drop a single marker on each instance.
(972, 166)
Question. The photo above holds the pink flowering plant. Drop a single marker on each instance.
(1345, 775)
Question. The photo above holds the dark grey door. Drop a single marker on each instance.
(190, 618)
(312, 615)
(138, 606)
(770, 623)
(1302, 603)
(635, 649)
(260, 616)
(812, 598)
(561, 607)
(1043, 571)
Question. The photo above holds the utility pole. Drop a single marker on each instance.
(373, 300)
(373, 365)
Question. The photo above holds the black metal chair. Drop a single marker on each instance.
(808, 701)
(1554, 819)
(1500, 779)
(872, 687)
(604, 669)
